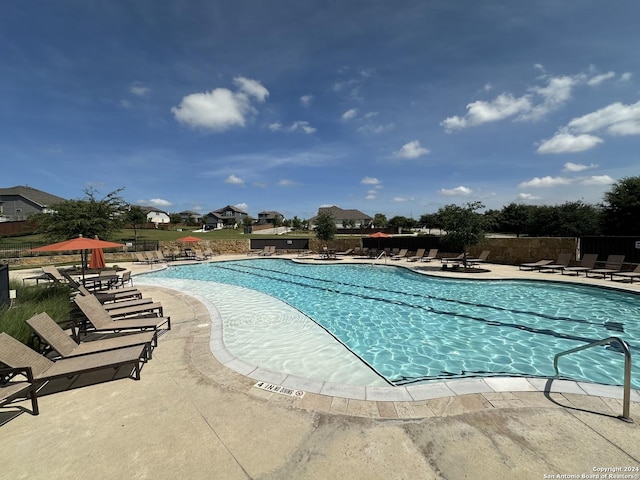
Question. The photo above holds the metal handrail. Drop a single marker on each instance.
(382, 254)
(627, 368)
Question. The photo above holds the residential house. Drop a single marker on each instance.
(155, 215)
(189, 216)
(359, 219)
(18, 203)
(228, 216)
(270, 216)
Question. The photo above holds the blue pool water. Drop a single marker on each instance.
(412, 328)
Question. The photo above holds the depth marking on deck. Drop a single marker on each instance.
(270, 387)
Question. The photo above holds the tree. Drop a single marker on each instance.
(136, 218)
(514, 218)
(380, 220)
(277, 222)
(296, 223)
(621, 208)
(325, 227)
(463, 224)
(88, 217)
(175, 218)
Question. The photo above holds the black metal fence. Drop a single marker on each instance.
(23, 249)
(605, 246)
(280, 243)
(4, 285)
(410, 243)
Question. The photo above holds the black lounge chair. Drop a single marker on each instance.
(535, 265)
(630, 275)
(53, 335)
(613, 265)
(588, 262)
(560, 264)
(17, 384)
(16, 354)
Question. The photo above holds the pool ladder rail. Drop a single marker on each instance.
(382, 254)
(627, 369)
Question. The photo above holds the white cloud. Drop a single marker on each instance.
(567, 143)
(350, 114)
(139, 90)
(375, 129)
(221, 109)
(412, 149)
(242, 206)
(286, 183)
(370, 181)
(598, 79)
(305, 100)
(615, 119)
(371, 196)
(155, 202)
(535, 104)
(528, 196)
(125, 104)
(577, 167)
(400, 199)
(545, 182)
(252, 88)
(479, 112)
(461, 190)
(625, 77)
(296, 126)
(597, 180)
(234, 180)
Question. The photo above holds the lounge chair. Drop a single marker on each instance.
(535, 265)
(124, 279)
(12, 389)
(458, 259)
(53, 335)
(349, 251)
(418, 255)
(588, 262)
(611, 266)
(560, 264)
(268, 250)
(16, 354)
(142, 258)
(400, 255)
(432, 255)
(480, 259)
(113, 295)
(54, 274)
(101, 321)
(630, 275)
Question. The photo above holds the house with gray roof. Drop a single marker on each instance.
(228, 216)
(18, 203)
(360, 220)
(269, 216)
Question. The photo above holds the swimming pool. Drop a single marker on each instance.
(411, 328)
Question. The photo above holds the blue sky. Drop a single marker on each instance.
(398, 107)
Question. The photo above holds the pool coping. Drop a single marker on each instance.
(409, 393)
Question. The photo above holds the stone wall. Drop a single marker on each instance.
(514, 251)
(507, 251)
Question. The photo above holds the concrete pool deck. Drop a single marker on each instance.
(192, 417)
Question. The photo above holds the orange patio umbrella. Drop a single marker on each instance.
(79, 243)
(189, 239)
(97, 260)
(379, 235)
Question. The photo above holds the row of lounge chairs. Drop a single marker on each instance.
(613, 266)
(115, 334)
